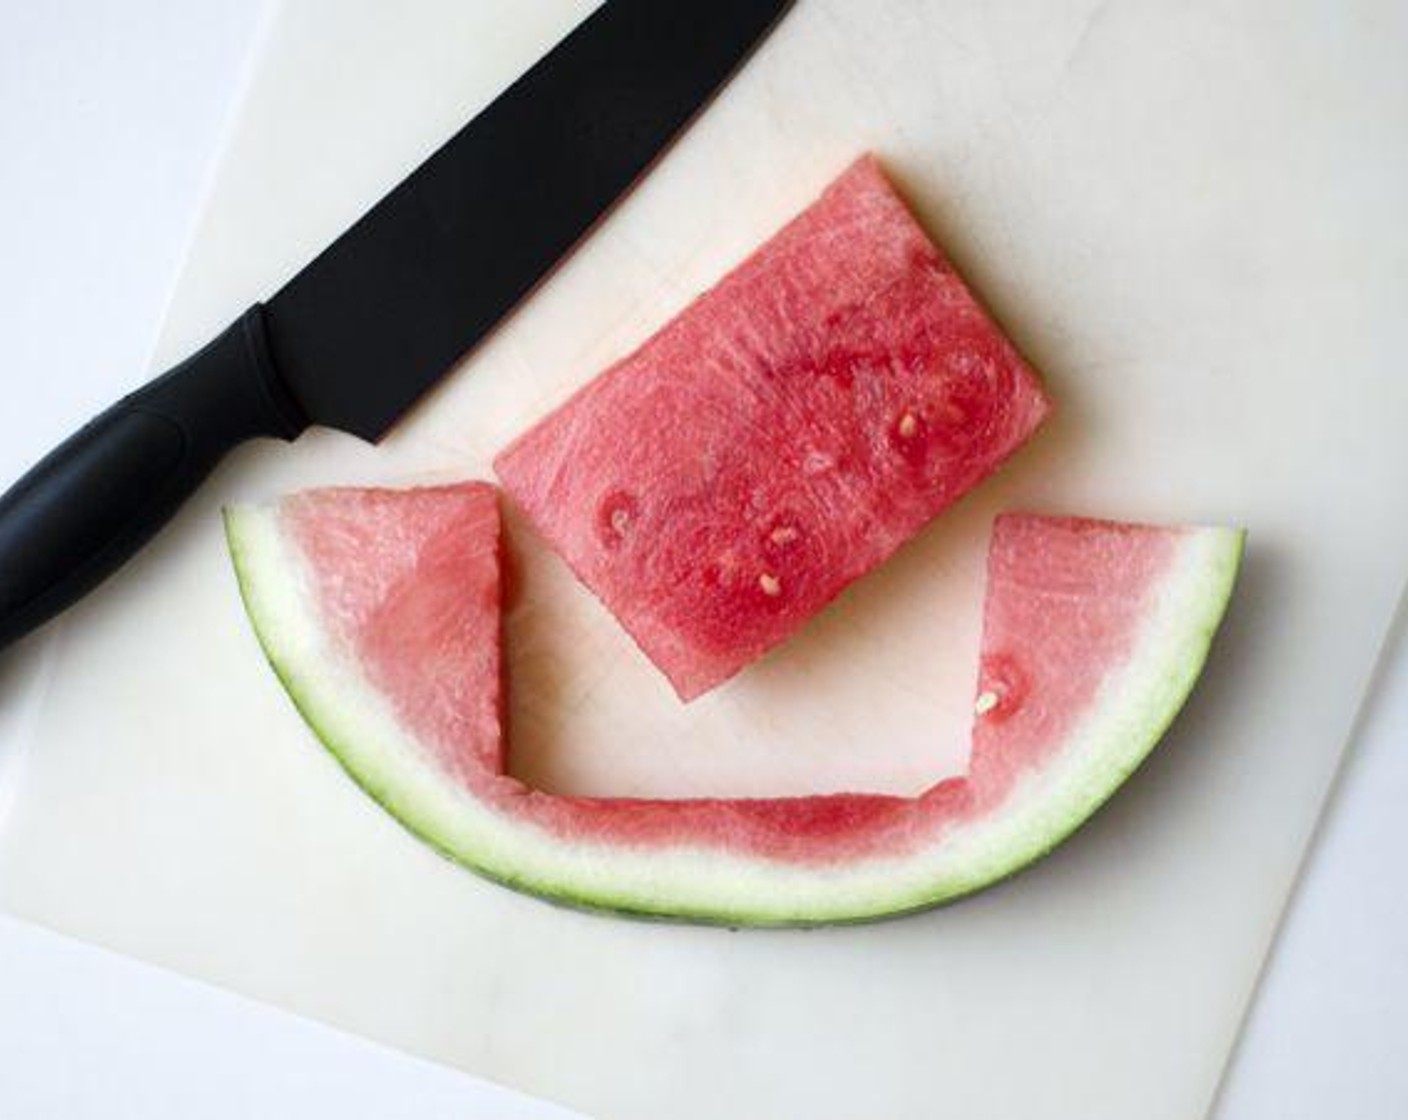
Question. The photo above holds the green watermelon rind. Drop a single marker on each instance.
(356, 725)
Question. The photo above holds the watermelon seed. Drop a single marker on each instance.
(770, 584)
(987, 701)
(908, 436)
(616, 516)
(783, 534)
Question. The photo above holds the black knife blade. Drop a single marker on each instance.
(361, 332)
(380, 315)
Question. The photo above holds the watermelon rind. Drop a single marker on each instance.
(1136, 703)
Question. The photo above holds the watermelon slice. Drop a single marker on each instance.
(780, 438)
(380, 613)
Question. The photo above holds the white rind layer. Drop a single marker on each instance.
(1134, 706)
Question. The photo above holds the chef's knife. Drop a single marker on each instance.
(375, 320)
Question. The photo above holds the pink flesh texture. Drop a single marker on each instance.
(780, 438)
(408, 584)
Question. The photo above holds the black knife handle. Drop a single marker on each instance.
(91, 503)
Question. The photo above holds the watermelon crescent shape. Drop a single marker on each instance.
(380, 612)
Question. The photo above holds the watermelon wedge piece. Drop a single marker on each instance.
(780, 438)
(379, 610)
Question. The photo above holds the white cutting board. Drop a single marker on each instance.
(1188, 215)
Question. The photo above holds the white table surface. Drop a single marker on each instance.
(110, 116)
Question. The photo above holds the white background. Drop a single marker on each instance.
(110, 117)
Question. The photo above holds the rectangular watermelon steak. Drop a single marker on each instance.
(780, 438)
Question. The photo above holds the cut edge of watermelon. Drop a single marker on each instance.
(357, 725)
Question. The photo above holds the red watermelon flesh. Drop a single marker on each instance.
(380, 611)
(780, 438)
(408, 582)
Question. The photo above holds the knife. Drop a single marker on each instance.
(389, 307)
